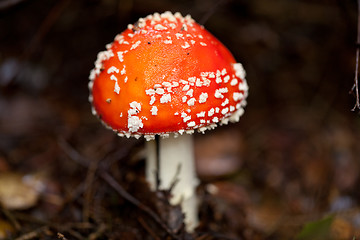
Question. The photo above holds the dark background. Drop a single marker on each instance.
(293, 157)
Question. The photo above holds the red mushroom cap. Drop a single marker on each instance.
(166, 74)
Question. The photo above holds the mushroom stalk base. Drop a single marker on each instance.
(177, 163)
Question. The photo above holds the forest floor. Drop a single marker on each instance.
(289, 169)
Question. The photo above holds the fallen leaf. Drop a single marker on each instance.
(17, 192)
(316, 230)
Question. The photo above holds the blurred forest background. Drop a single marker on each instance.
(289, 169)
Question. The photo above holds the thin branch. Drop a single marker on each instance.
(89, 180)
(175, 179)
(11, 217)
(33, 234)
(355, 88)
(61, 236)
(78, 158)
(148, 229)
(96, 235)
(123, 193)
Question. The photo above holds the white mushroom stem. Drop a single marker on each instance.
(176, 162)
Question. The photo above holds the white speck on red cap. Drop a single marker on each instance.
(186, 45)
(191, 102)
(112, 69)
(165, 98)
(190, 93)
(152, 100)
(135, 45)
(134, 123)
(117, 88)
(154, 110)
(203, 97)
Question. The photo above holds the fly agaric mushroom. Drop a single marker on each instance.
(168, 76)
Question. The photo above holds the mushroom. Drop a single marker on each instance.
(167, 76)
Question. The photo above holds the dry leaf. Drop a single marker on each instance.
(17, 191)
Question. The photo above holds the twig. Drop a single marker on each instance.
(76, 234)
(89, 180)
(355, 87)
(11, 217)
(101, 229)
(123, 193)
(61, 236)
(148, 229)
(46, 226)
(28, 218)
(175, 179)
(33, 234)
(74, 155)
